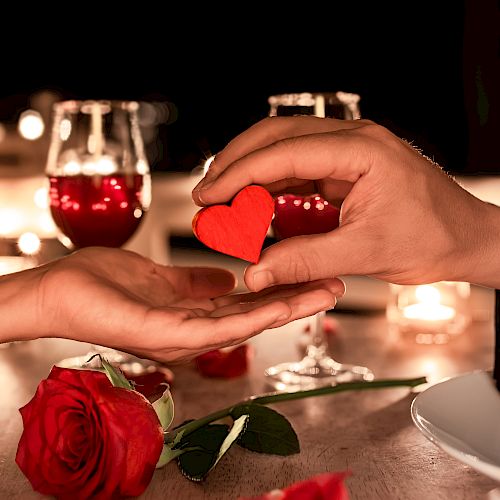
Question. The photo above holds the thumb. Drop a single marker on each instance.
(306, 258)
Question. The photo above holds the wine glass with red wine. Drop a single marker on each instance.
(100, 184)
(301, 214)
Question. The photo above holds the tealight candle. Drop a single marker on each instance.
(430, 313)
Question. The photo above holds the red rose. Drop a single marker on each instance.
(84, 438)
(224, 363)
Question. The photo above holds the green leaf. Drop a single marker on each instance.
(167, 455)
(164, 408)
(237, 430)
(114, 374)
(267, 431)
(195, 464)
(209, 445)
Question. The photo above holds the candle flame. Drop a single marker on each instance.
(429, 306)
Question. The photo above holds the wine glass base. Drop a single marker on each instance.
(311, 373)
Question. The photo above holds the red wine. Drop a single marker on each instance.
(97, 210)
(299, 215)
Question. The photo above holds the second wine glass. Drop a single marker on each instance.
(295, 215)
(100, 184)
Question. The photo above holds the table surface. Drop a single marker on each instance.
(369, 433)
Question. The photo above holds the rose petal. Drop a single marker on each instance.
(327, 486)
(224, 363)
(152, 383)
(132, 423)
(330, 326)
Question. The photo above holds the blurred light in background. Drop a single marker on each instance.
(103, 166)
(11, 220)
(3, 132)
(29, 243)
(147, 114)
(72, 168)
(24, 208)
(201, 170)
(65, 241)
(31, 125)
(14, 264)
(142, 167)
(65, 129)
(207, 164)
(41, 197)
(46, 223)
(152, 114)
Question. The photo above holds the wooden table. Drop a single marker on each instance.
(369, 433)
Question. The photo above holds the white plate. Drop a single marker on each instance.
(461, 415)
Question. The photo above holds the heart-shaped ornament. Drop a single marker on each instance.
(238, 230)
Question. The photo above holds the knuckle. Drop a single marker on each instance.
(279, 128)
(375, 130)
(286, 150)
(366, 122)
(299, 268)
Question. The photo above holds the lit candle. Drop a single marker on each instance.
(431, 313)
(428, 307)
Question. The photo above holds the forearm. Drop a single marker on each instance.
(19, 306)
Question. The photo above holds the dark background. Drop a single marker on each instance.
(429, 71)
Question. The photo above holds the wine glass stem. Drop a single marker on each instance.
(318, 345)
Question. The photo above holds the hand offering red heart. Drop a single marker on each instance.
(238, 230)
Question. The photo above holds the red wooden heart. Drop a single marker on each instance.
(238, 230)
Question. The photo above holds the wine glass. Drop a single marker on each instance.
(100, 184)
(296, 214)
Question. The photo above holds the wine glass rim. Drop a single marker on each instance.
(309, 98)
(106, 105)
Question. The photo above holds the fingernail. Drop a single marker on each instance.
(335, 289)
(262, 279)
(199, 185)
(206, 185)
(199, 193)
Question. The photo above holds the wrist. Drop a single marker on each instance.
(482, 262)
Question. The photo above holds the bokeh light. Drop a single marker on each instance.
(31, 125)
(29, 243)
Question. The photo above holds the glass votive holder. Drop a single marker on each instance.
(429, 314)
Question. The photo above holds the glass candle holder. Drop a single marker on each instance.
(429, 314)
